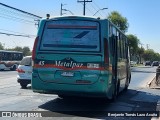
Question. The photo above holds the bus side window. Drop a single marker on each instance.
(14, 56)
(118, 45)
(124, 48)
(113, 42)
(2, 56)
(110, 39)
(5, 56)
(10, 56)
(121, 46)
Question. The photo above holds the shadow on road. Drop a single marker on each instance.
(129, 101)
(82, 107)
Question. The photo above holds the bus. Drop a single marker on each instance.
(9, 60)
(80, 56)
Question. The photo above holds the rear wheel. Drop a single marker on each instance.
(23, 85)
(127, 83)
(13, 68)
(116, 91)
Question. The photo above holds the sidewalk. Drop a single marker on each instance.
(155, 84)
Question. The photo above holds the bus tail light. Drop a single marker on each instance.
(34, 48)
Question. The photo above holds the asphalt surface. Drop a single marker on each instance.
(139, 97)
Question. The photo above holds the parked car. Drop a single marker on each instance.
(155, 63)
(148, 63)
(133, 63)
(24, 71)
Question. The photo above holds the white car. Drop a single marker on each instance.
(133, 63)
(25, 71)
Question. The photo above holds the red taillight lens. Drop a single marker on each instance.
(20, 71)
(34, 48)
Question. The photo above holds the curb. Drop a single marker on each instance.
(152, 84)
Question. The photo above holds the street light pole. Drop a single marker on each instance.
(100, 10)
(68, 11)
(62, 9)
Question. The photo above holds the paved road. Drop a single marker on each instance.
(138, 98)
(142, 76)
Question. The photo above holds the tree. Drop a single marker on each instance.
(140, 53)
(133, 43)
(1, 47)
(117, 19)
(17, 48)
(149, 55)
(26, 51)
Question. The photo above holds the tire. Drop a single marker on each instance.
(126, 86)
(116, 92)
(23, 85)
(127, 83)
(13, 68)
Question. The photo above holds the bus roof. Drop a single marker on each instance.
(71, 17)
(7, 51)
(82, 17)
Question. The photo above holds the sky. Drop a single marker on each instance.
(142, 15)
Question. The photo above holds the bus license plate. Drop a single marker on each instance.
(68, 74)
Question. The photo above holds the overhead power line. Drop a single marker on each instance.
(97, 6)
(21, 11)
(13, 12)
(13, 32)
(95, 10)
(12, 18)
(18, 35)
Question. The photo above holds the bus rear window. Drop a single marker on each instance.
(71, 35)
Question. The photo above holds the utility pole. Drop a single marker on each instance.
(84, 5)
(61, 9)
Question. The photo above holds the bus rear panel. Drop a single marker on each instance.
(68, 57)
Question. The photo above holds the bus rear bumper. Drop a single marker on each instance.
(98, 89)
